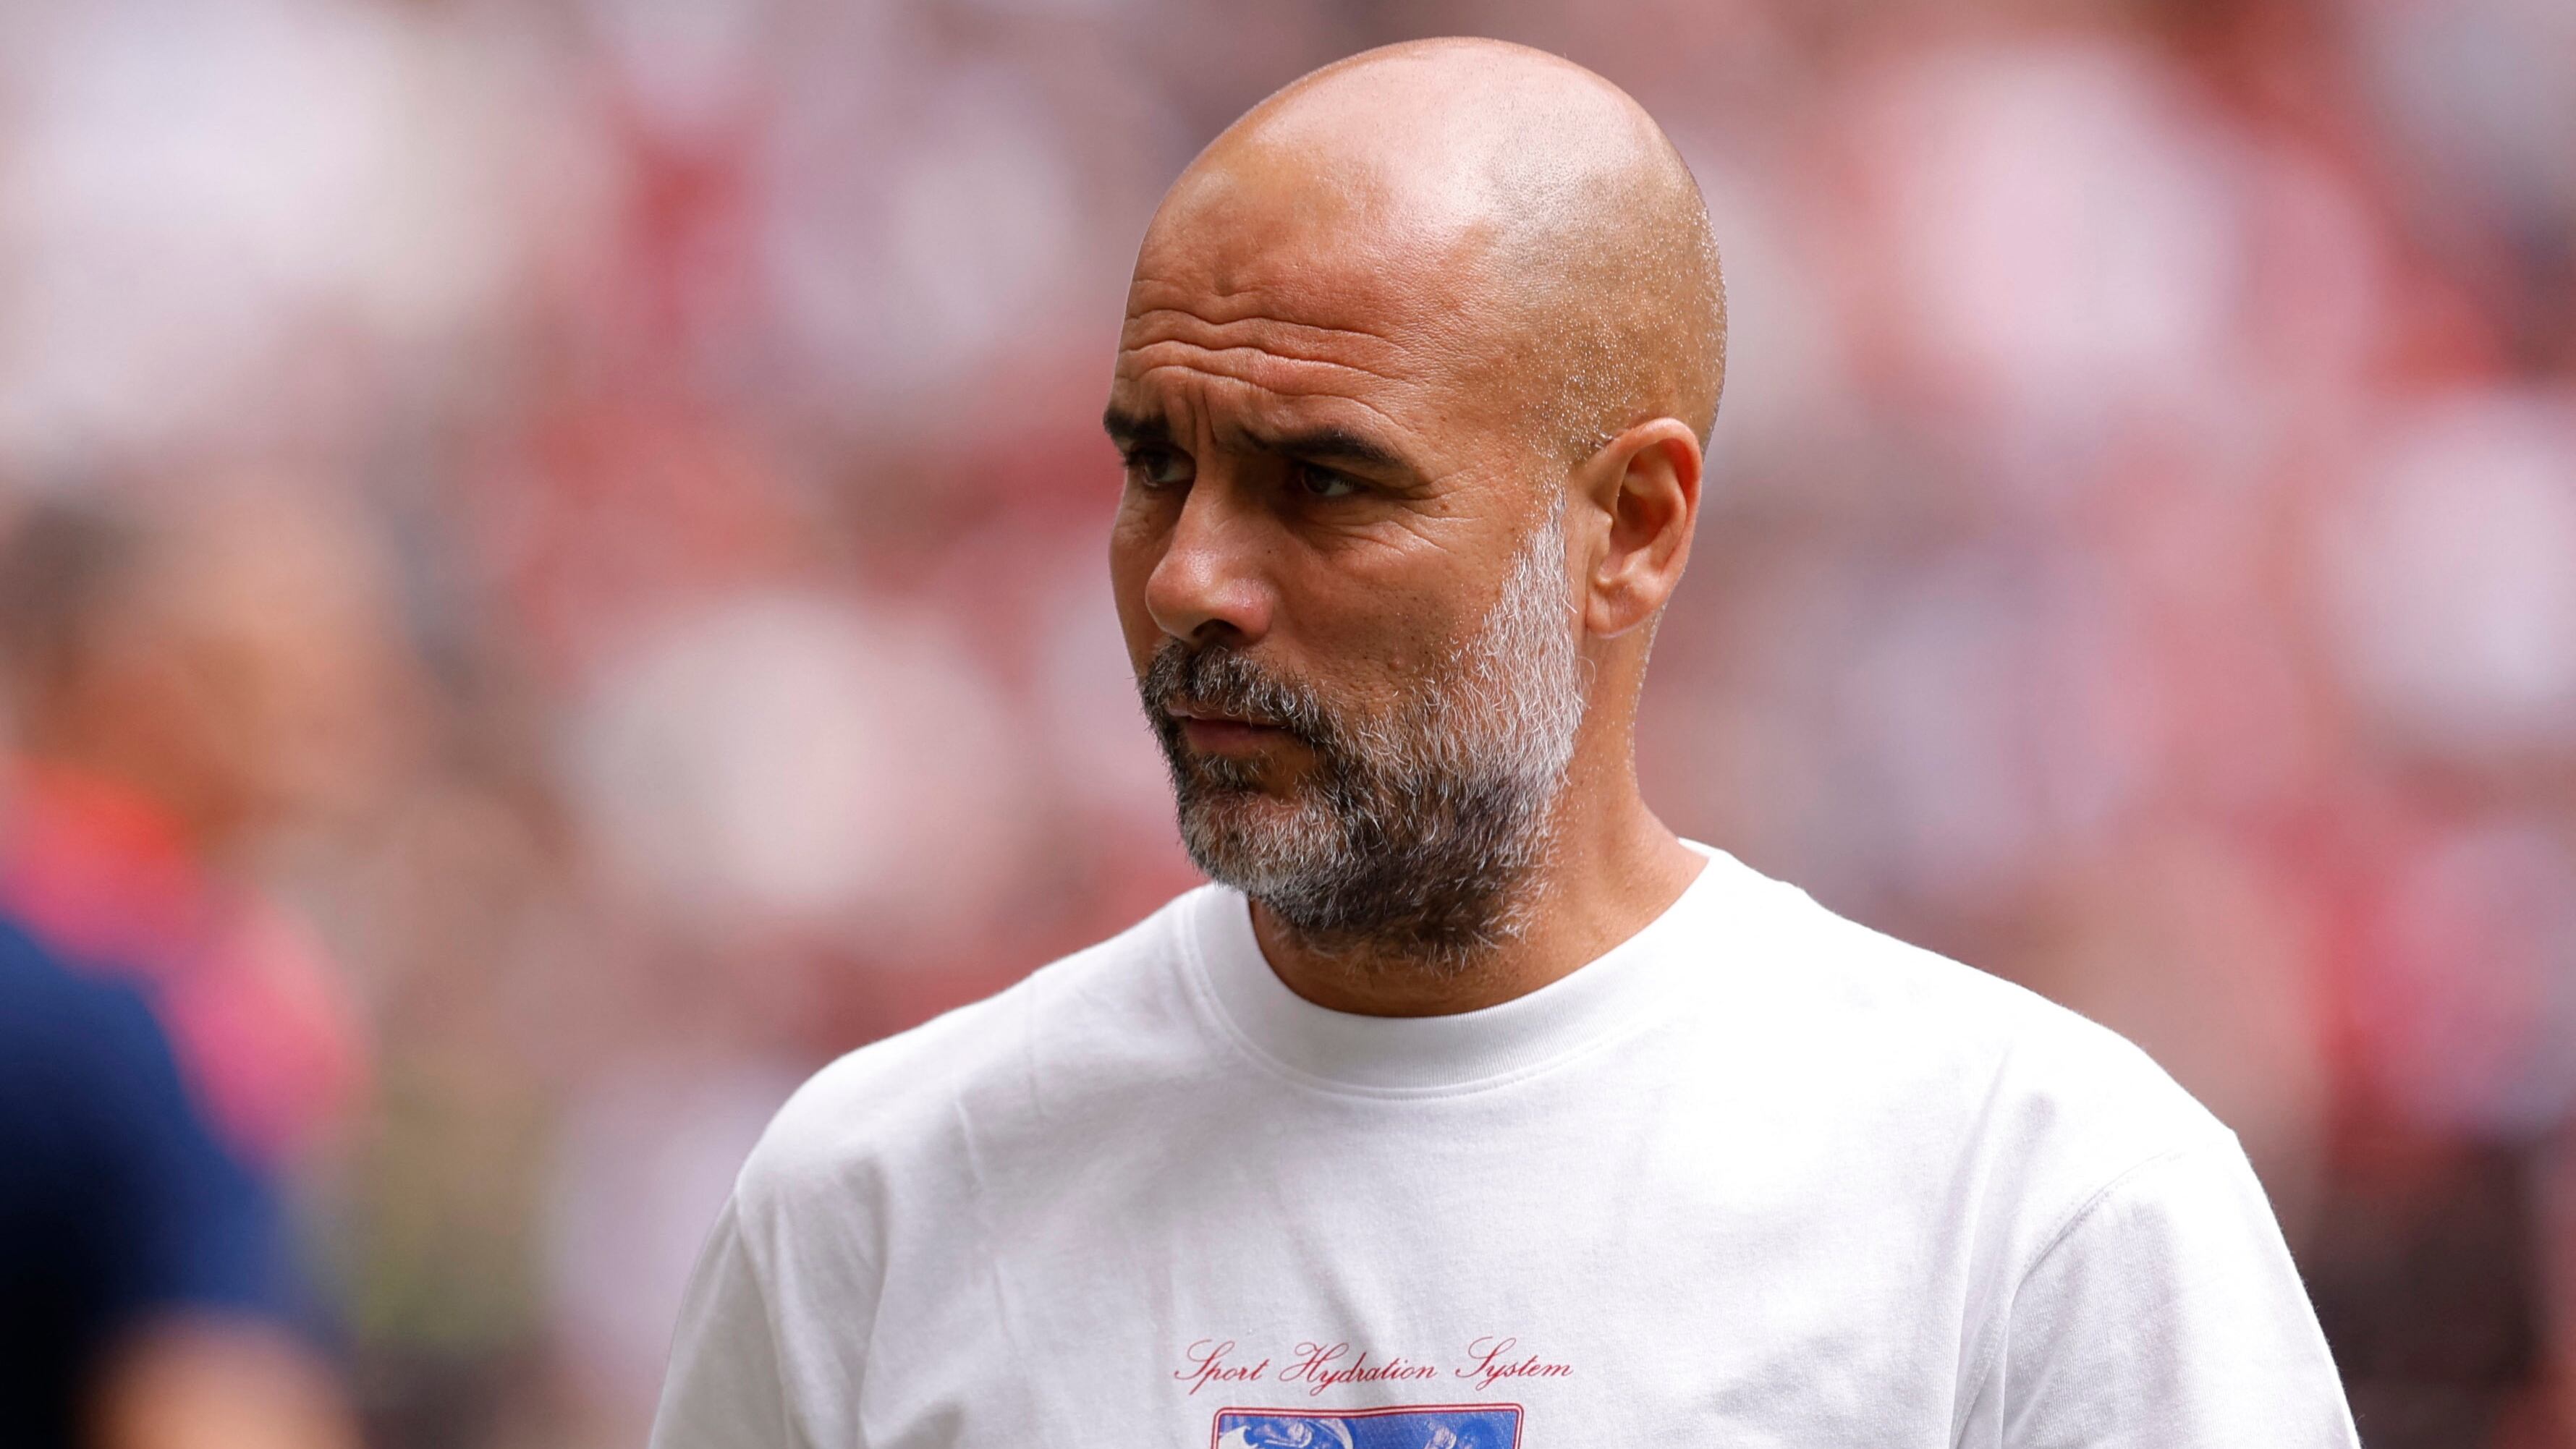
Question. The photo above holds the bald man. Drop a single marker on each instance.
(1469, 1104)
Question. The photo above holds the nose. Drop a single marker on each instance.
(1211, 584)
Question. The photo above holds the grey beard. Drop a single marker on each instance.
(1412, 835)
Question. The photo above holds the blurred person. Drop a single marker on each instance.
(146, 1298)
(181, 687)
(1419, 363)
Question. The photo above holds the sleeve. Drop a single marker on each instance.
(725, 1388)
(2165, 1315)
(192, 1227)
(122, 1210)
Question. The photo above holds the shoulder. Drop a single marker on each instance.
(87, 1040)
(903, 1098)
(94, 1112)
(1973, 1062)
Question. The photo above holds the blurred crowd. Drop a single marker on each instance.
(551, 581)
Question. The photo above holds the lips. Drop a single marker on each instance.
(1215, 732)
(1184, 711)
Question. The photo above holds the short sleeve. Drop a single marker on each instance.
(725, 1389)
(2168, 1314)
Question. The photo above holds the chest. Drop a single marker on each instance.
(1545, 1286)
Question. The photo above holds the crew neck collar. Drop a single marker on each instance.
(1433, 1055)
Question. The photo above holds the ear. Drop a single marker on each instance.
(1646, 483)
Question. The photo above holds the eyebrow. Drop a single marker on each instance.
(1329, 444)
(1324, 443)
(1128, 429)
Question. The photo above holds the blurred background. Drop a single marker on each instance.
(552, 581)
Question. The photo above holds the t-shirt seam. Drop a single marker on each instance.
(1201, 985)
(2075, 1218)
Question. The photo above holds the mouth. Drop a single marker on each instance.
(1218, 733)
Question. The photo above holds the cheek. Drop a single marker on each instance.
(1133, 552)
(1380, 629)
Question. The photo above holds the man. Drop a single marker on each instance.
(174, 689)
(1470, 1095)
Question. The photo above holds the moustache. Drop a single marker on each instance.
(1214, 679)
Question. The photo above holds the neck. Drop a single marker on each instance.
(1614, 867)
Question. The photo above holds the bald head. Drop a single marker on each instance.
(1507, 208)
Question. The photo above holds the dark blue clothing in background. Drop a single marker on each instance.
(115, 1202)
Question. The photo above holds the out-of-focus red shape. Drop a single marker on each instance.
(264, 1032)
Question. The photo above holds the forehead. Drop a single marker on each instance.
(1300, 298)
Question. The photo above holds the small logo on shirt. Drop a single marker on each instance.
(1317, 1366)
(1429, 1426)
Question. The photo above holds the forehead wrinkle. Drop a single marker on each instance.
(1293, 376)
(1276, 337)
(1343, 355)
(1219, 304)
(1270, 411)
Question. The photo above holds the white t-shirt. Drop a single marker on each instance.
(1756, 1177)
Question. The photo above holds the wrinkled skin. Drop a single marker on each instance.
(1401, 316)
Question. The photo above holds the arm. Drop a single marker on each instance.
(724, 1389)
(207, 1381)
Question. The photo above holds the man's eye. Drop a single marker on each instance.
(1160, 468)
(1319, 482)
